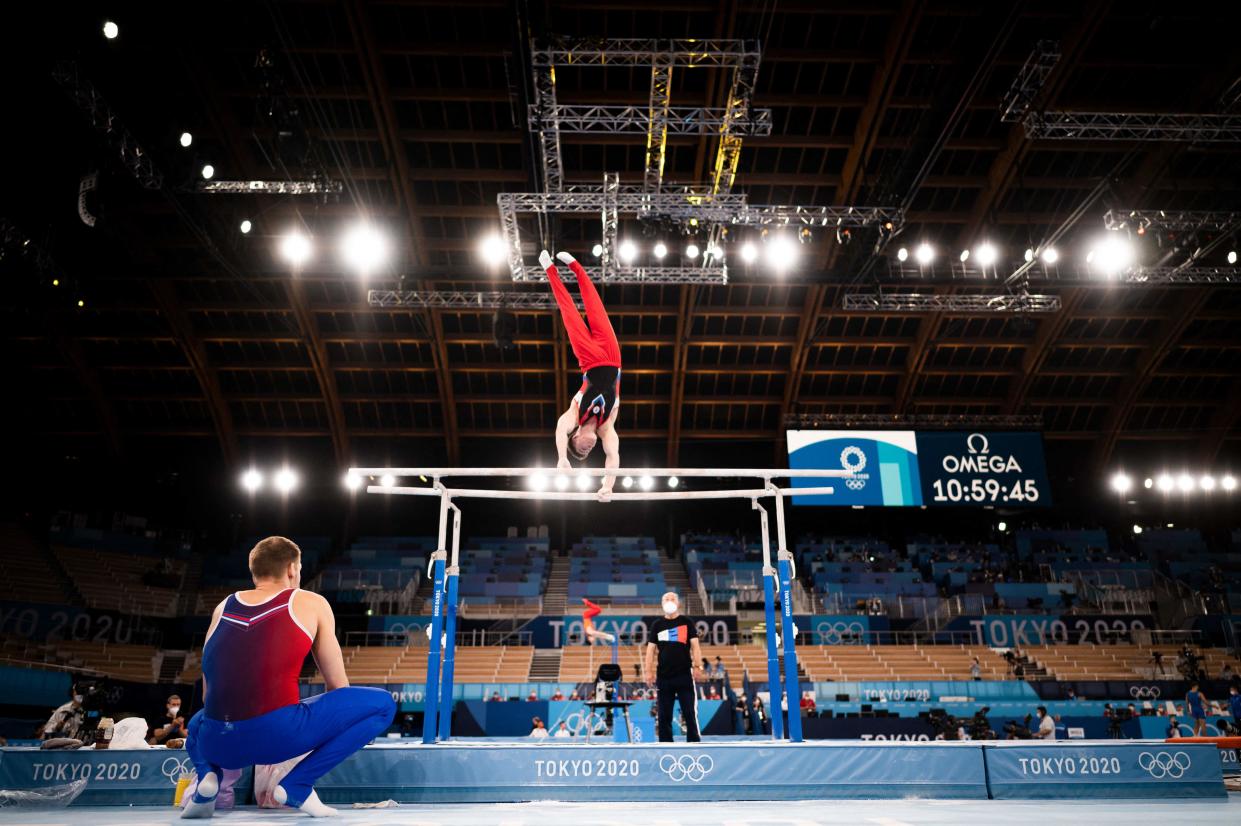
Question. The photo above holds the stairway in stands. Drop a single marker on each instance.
(678, 580)
(545, 666)
(170, 665)
(557, 596)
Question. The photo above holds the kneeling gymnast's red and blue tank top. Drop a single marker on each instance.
(252, 660)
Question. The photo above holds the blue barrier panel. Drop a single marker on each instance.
(1123, 770)
(1230, 762)
(117, 777)
(554, 770)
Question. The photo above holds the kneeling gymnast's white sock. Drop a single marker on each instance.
(312, 806)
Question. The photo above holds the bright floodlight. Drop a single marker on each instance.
(1137, 529)
(1165, 483)
(691, 251)
(492, 249)
(964, 256)
(1232, 256)
(1121, 483)
(1148, 483)
(110, 30)
(1228, 483)
(673, 481)
(252, 480)
(1029, 256)
(596, 250)
(387, 480)
(715, 252)
(246, 226)
(1111, 254)
(296, 248)
(186, 138)
(749, 252)
(902, 254)
(661, 249)
(781, 252)
(539, 481)
(562, 482)
(1003, 526)
(924, 254)
(628, 251)
(986, 254)
(1050, 255)
(627, 481)
(364, 248)
(647, 482)
(1207, 483)
(285, 479)
(208, 172)
(1185, 482)
(353, 481)
(583, 482)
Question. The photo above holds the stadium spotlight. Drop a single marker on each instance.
(781, 252)
(186, 139)
(647, 482)
(1050, 255)
(252, 480)
(1185, 482)
(1121, 483)
(673, 481)
(285, 480)
(1003, 526)
(628, 251)
(208, 172)
(661, 249)
(1165, 482)
(1137, 529)
(902, 254)
(387, 480)
(1111, 254)
(296, 248)
(562, 482)
(596, 250)
(246, 226)
(364, 248)
(691, 251)
(627, 482)
(749, 252)
(986, 254)
(539, 481)
(964, 256)
(110, 30)
(1029, 256)
(492, 249)
(925, 254)
(353, 481)
(1149, 483)
(583, 482)
(1232, 256)
(715, 252)
(1207, 483)
(1228, 483)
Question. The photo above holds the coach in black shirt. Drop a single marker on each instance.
(675, 639)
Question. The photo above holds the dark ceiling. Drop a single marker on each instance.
(195, 340)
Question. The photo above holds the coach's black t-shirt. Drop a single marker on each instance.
(671, 638)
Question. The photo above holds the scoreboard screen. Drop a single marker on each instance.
(908, 468)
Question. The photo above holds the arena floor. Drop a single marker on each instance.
(791, 813)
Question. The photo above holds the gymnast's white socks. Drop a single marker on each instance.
(208, 788)
(313, 806)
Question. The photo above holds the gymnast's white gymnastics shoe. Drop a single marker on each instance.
(207, 789)
(565, 257)
(545, 260)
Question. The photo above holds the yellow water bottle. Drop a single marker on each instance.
(183, 783)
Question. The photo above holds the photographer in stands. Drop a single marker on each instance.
(1046, 725)
(67, 718)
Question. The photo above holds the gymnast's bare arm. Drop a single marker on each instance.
(611, 453)
(564, 426)
(314, 612)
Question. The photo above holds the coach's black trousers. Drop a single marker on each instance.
(672, 689)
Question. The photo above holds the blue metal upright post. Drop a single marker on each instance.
(431, 700)
(792, 683)
(450, 627)
(769, 605)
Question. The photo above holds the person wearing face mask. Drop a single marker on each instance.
(66, 720)
(173, 723)
(675, 641)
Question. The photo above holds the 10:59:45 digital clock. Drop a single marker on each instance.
(989, 490)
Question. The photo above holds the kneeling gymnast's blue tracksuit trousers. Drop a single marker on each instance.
(331, 726)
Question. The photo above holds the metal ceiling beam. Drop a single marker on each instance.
(196, 355)
(71, 348)
(1036, 351)
(807, 324)
(1226, 418)
(319, 362)
(680, 355)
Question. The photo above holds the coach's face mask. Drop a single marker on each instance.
(670, 607)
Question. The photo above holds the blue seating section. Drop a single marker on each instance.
(619, 569)
(503, 569)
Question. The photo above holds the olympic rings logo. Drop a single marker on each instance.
(1162, 764)
(689, 767)
(173, 768)
(859, 459)
(1145, 692)
(833, 633)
